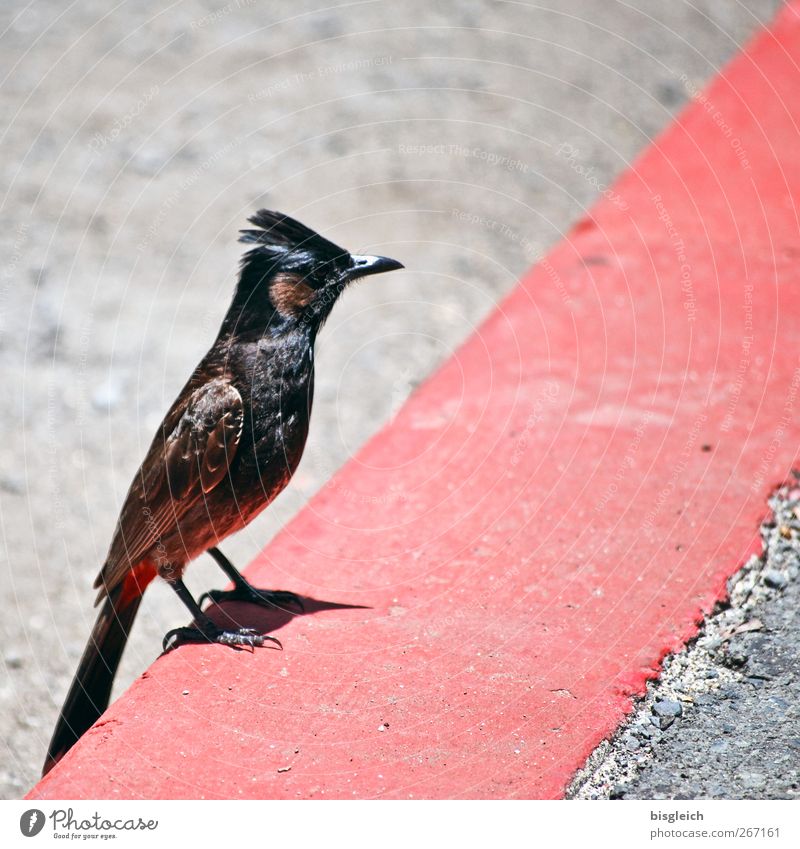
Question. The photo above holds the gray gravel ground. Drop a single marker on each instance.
(136, 139)
(723, 721)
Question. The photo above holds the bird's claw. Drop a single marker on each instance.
(243, 638)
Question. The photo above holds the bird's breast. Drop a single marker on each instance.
(280, 405)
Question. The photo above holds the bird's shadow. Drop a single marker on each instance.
(265, 619)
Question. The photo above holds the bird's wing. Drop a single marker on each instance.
(189, 456)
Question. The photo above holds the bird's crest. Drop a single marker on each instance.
(279, 234)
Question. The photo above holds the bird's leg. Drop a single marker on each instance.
(207, 631)
(245, 591)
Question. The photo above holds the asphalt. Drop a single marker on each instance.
(462, 139)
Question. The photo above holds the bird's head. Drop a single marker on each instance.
(295, 273)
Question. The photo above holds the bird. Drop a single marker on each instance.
(227, 446)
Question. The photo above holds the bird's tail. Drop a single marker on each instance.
(90, 691)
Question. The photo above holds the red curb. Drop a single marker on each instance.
(546, 518)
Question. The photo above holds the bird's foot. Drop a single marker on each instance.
(245, 592)
(243, 638)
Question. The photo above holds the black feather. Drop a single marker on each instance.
(280, 233)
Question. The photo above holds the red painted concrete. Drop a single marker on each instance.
(546, 518)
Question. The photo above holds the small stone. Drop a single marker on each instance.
(149, 161)
(107, 395)
(753, 780)
(667, 707)
(775, 580)
(735, 658)
(669, 92)
(728, 728)
(718, 747)
(185, 693)
(382, 727)
(662, 722)
(712, 673)
(785, 531)
(12, 484)
(13, 660)
(284, 768)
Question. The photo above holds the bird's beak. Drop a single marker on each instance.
(361, 266)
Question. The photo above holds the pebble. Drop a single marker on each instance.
(670, 94)
(735, 657)
(774, 579)
(13, 660)
(731, 693)
(149, 161)
(667, 708)
(12, 484)
(107, 395)
(754, 780)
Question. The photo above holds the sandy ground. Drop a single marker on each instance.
(462, 138)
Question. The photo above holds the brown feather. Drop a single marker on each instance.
(290, 295)
(197, 454)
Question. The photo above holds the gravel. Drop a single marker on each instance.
(735, 689)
